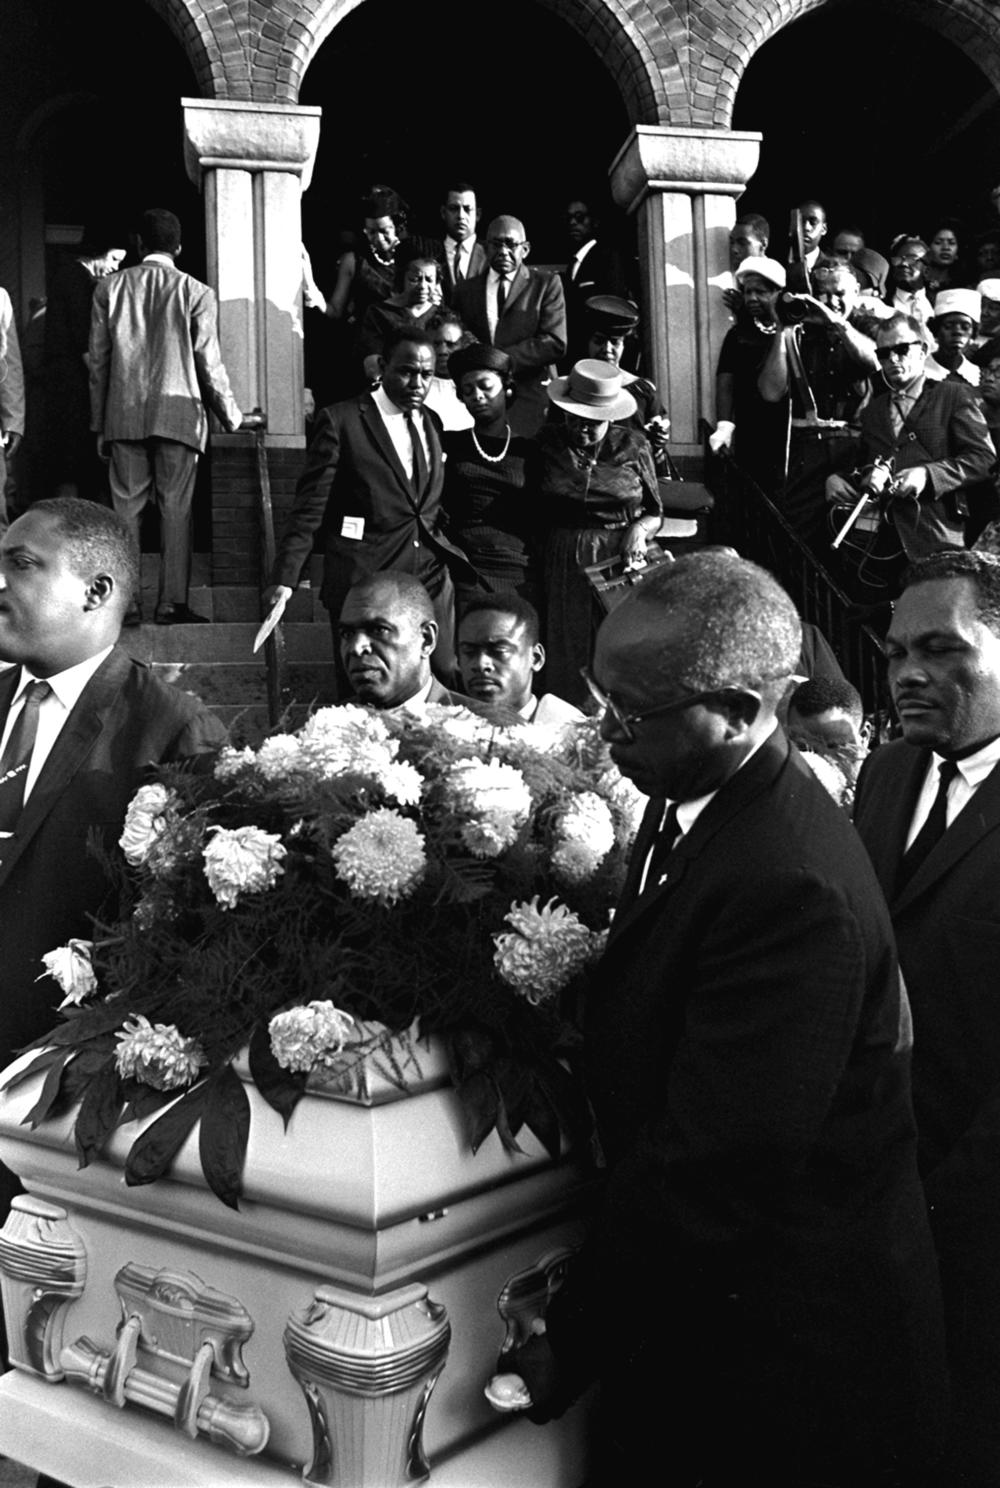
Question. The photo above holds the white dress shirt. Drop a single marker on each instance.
(972, 771)
(578, 257)
(395, 422)
(55, 709)
(459, 255)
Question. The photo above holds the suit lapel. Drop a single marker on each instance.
(379, 435)
(518, 285)
(68, 753)
(434, 462)
(980, 815)
(891, 818)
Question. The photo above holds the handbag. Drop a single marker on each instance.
(611, 580)
(682, 496)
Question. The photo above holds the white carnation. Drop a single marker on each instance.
(304, 1037)
(492, 802)
(242, 860)
(543, 950)
(584, 835)
(71, 967)
(381, 857)
(146, 820)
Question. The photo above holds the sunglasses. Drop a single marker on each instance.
(897, 352)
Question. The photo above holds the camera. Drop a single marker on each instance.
(792, 309)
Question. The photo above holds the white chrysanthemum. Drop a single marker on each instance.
(304, 1037)
(459, 723)
(381, 857)
(492, 802)
(584, 835)
(345, 739)
(627, 799)
(232, 761)
(543, 950)
(401, 782)
(830, 776)
(70, 965)
(279, 756)
(146, 819)
(157, 1055)
(242, 860)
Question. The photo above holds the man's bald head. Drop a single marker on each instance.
(506, 244)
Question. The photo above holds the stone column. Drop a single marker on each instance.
(252, 163)
(683, 183)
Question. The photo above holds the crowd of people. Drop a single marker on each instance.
(843, 358)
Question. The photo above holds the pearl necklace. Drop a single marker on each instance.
(492, 459)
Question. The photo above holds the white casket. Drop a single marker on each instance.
(338, 1328)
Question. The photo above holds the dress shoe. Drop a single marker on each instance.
(179, 614)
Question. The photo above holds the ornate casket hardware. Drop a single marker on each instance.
(176, 1337)
(526, 1295)
(43, 1268)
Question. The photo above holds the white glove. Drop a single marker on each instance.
(722, 438)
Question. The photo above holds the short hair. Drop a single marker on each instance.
(757, 223)
(459, 187)
(160, 230)
(409, 595)
(410, 256)
(442, 317)
(98, 539)
(409, 335)
(901, 240)
(506, 604)
(820, 694)
(982, 569)
(740, 627)
(381, 201)
(900, 322)
(852, 228)
(810, 201)
(827, 263)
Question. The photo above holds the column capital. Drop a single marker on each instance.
(219, 134)
(692, 161)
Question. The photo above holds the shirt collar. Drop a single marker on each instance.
(974, 768)
(159, 258)
(386, 407)
(417, 702)
(68, 684)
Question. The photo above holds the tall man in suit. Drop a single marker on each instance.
(11, 396)
(521, 310)
(928, 810)
(154, 357)
(81, 723)
(373, 476)
(934, 433)
(758, 1294)
(462, 254)
(593, 268)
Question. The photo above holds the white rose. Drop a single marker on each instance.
(70, 966)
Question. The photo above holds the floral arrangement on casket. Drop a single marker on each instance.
(324, 897)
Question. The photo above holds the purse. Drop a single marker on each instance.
(611, 580)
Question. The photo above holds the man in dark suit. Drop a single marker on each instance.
(928, 810)
(593, 268)
(68, 570)
(934, 433)
(461, 253)
(521, 310)
(758, 1294)
(373, 476)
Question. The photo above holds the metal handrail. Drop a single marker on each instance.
(749, 520)
(274, 646)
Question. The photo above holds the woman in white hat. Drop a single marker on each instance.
(600, 498)
(954, 326)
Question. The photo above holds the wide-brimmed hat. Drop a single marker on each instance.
(768, 268)
(958, 302)
(478, 358)
(592, 390)
(988, 289)
(612, 315)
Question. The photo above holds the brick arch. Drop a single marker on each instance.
(745, 26)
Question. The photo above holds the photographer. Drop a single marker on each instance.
(934, 433)
(821, 362)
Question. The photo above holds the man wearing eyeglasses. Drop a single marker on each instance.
(758, 1294)
(934, 433)
(521, 310)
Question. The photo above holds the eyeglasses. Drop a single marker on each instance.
(908, 258)
(625, 722)
(505, 243)
(898, 352)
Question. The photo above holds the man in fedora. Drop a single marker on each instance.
(521, 310)
(601, 497)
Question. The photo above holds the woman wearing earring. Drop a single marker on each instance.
(600, 496)
(488, 490)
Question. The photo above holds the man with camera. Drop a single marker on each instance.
(821, 362)
(936, 438)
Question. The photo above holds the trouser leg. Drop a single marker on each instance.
(131, 478)
(175, 467)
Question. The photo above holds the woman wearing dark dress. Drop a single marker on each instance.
(417, 297)
(600, 496)
(74, 468)
(489, 495)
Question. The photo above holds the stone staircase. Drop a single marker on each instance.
(216, 661)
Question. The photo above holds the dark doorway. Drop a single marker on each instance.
(879, 117)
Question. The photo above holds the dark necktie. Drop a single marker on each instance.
(501, 296)
(933, 828)
(419, 476)
(456, 272)
(662, 848)
(17, 755)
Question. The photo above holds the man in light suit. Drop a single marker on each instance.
(154, 357)
(461, 253)
(928, 810)
(373, 476)
(11, 396)
(522, 311)
(936, 436)
(68, 570)
(758, 1295)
